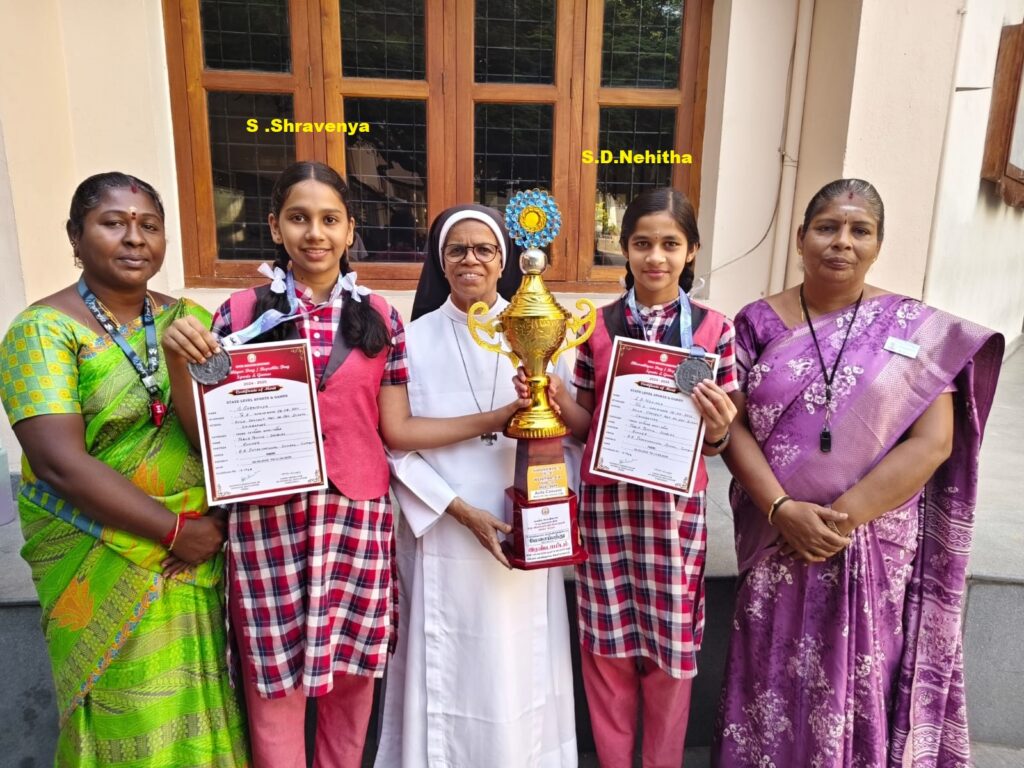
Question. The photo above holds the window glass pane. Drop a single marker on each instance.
(387, 176)
(642, 41)
(515, 41)
(618, 179)
(246, 34)
(245, 166)
(382, 39)
(512, 151)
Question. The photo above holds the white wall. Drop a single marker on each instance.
(976, 260)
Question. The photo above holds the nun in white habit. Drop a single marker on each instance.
(481, 676)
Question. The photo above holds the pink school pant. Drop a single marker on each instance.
(615, 689)
(277, 727)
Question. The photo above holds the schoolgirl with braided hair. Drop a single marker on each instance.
(310, 593)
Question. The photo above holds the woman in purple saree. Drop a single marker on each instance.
(856, 477)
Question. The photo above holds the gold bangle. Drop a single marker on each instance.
(179, 526)
(775, 506)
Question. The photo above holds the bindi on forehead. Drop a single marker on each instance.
(133, 211)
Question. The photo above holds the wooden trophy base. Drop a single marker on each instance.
(542, 509)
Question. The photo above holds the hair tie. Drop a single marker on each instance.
(276, 276)
(348, 283)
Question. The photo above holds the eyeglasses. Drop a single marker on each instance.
(456, 252)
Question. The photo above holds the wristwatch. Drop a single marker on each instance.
(720, 442)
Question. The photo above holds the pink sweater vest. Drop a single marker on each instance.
(349, 417)
(705, 335)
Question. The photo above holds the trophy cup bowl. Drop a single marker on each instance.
(534, 327)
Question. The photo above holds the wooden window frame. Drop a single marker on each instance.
(450, 93)
(469, 93)
(688, 99)
(190, 82)
(1002, 125)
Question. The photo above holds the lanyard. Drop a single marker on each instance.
(145, 371)
(685, 322)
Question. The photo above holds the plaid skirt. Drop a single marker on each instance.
(315, 581)
(641, 590)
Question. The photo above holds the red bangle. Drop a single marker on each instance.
(171, 536)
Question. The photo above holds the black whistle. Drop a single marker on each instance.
(825, 440)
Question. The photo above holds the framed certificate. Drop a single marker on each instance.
(649, 431)
(260, 427)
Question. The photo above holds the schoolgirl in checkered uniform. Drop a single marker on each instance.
(310, 590)
(640, 593)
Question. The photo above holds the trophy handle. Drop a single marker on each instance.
(491, 328)
(589, 319)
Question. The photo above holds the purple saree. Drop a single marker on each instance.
(855, 662)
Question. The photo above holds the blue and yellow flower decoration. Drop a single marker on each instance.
(532, 218)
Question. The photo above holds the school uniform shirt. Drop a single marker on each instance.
(641, 590)
(314, 574)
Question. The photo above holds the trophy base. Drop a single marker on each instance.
(535, 424)
(545, 533)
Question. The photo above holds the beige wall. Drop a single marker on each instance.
(35, 113)
(902, 84)
(976, 260)
(12, 287)
(119, 97)
(830, 72)
(750, 51)
(878, 91)
(83, 89)
(79, 94)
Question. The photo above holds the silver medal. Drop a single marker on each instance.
(212, 370)
(691, 372)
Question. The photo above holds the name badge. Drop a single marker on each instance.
(902, 347)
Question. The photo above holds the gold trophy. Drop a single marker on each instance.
(541, 505)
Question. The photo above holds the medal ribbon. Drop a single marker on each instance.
(145, 372)
(685, 321)
(269, 319)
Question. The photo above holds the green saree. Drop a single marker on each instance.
(138, 660)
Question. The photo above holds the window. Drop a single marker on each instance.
(426, 103)
(1003, 160)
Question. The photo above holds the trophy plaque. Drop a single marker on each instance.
(540, 502)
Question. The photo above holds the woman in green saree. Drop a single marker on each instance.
(125, 556)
